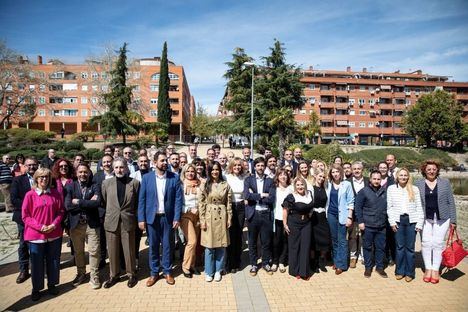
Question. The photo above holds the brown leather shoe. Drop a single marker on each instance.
(352, 263)
(338, 271)
(22, 277)
(152, 280)
(169, 279)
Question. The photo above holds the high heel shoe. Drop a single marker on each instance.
(427, 279)
(434, 280)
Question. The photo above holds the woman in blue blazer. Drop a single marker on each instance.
(339, 209)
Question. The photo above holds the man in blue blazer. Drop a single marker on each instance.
(159, 210)
(260, 192)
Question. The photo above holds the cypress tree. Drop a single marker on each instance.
(164, 107)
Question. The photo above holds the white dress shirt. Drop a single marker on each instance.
(161, 189)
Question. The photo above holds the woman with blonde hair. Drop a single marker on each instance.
(42, 214)
(189, 221)
(406, 217)
(304, 172)
(235, 179)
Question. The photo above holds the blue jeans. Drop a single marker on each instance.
(374, 237)
(339, 242)
(49, 253)
(23, 250)
(405, 238)
(214, 260)
(160, 232)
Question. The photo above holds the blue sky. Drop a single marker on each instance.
(201, 35)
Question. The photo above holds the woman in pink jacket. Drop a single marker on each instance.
(43, 211)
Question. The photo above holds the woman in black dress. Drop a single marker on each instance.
(320, 229)
(297, 210)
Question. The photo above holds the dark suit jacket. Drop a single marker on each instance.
(148, 198)
(115, 214)
(98, 178)
(85, 205)
(253, 196)
(445, 199)
(19, 187)
(371, 207)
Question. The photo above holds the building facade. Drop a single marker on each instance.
(367, 107)
(71, 94)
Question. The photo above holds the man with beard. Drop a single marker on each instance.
(270, 170)
(120, 197)
(160, 204)
(174, 163)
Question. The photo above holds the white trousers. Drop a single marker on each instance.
(433, 242)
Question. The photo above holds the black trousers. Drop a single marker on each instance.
(299, 245)
(280, 244)
(390, 245)
(234, 250)
(260, 224)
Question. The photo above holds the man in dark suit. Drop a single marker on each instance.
(100, 176)
(390, 245)
(49, 161)
(260, 192)
(19, 187)
(289, 161)
(246, 155)
(358, 182)
(82, 202)
(120, 197)
(159, 209)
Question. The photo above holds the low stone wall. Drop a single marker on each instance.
(461, 202)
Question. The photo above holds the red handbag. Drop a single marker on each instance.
(454, 251)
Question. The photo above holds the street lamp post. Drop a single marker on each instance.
(252, 65)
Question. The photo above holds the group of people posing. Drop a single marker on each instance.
(299, 215)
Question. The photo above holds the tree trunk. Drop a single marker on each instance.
(282, 142)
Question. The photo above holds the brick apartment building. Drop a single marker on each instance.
(366, 107)
(71, 95)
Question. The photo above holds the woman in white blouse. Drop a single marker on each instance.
(190, 221)
(235, 179)
(406, 217)
(280, 239)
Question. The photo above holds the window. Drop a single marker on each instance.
(352, 112)
(84, 100)
(136, 88)
(104, 88)
(136, 75)
(94, 100)
(41, 112)
(154, 87)
(70, 112)
(312, 100)
(362, 125)
(302, 111)
(155, 77)
(173, 76)
(352, 124)
(103, 75)
(84, 88)
(84, 75)
(95, 75)
(84, 112)
(370, 124)
(371, 101)
(312, 86)
(408, 102)
(70, 86)
(70, 100)
(362, 88)
(154, 101)
(41, 75)
(95, 87)
(55, 113)
(94, 113)
(362, 113)
(21, 86)
(32, 87)
(55, 100)
(42, 87)
(56, 75)
(351, 102)
(175, 113)
(153, 113)
(42, 100)
(362, 101)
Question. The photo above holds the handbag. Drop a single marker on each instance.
(454, 251)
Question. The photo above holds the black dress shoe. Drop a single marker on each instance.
(111, 282)
(53, 290)
(35, 295)
(132, 281)
(195, 271)
(22, 277)
(187, 275)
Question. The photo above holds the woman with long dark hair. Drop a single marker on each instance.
(215, 219)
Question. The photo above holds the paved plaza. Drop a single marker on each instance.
(241, 292)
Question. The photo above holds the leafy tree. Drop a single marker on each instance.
(201, 124)
(312, 128)
(280, 93)
(436, 116)
(164, 107)
(158, 130)
(118, 119)
(239, 92)
(223, 127)
(18, 88)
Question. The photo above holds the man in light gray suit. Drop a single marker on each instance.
(120, 197)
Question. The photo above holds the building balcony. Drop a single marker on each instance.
(342, 93)
(342, 105)
(462, 96)
(399, 94)
(342, 117)
(386, 106)
(326, 130)
(385, 94)
(330, 92)
(327, 104)
(386, 118)
(400, 107)
(341, 130)
(327, 117)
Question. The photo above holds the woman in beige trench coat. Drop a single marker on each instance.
(215, 215)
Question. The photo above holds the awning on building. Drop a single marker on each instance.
(385, 87)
